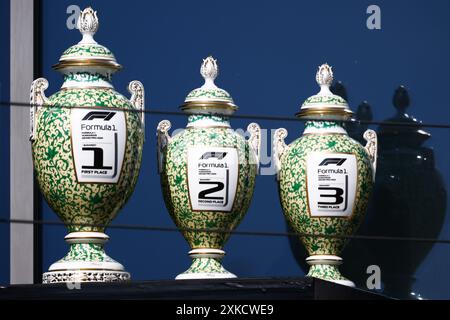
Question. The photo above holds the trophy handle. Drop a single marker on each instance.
(371, 148)
(136, 88)
(37, 100)
(163, 137)
(279, 147)
(255, 141)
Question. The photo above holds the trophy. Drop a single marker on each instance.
(87, 144)
(325, 179)
(207, 174)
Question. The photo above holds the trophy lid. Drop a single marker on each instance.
(325, 103)
(209, 98)
(87, 52)
(411, 134)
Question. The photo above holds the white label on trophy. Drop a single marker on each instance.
(98, 142)
(212, 178)
(331, 184)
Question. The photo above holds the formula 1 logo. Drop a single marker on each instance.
(336, 161)
(217, 155)
(105, 115)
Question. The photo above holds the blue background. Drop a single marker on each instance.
(268, 53)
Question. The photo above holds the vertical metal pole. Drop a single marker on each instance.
(22, 253)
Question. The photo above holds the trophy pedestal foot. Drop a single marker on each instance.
(78, 276)
(326, 267)
(86, 261)
(206, 265)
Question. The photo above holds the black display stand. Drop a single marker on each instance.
(223, 289)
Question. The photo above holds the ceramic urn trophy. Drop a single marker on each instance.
(87, 144)
(207, 174)
(325, 179)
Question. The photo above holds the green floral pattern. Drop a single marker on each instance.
(322, 124)
(325, 272)
(85, 203)
(86, 77)
(198, 117)
(175, 185)
(326, 99)
(92, 252)
(294, 200)
(88, 50)
(209, 94)
(206, 265)
(174, 182)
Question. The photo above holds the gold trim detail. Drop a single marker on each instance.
(325, 134)
(206, 127)
(88, 63)
(328, 111)
(87, 87)
(207, 253)
(209, 105)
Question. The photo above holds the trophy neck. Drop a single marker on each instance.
(83, 237)
(87, 79)
(324, 127)
(207, 121)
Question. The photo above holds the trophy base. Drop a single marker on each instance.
(205, 275)
(326, 267)
(206, 265)
(78, 276)
(86, 262)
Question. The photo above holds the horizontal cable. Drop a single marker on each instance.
(213, 230)
(237, 116)
(216, 230)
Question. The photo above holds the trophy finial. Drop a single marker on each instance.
(88, 25)
(325, 103)
(324, 75)
(401, 98)
(209, 98)
(209, 71)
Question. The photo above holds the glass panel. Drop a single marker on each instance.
(268, 55)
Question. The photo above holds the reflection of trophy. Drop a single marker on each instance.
(409, 200)
(325, 179)
(207, 174)
(86, 159)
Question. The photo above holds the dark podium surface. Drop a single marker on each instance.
(220, 289)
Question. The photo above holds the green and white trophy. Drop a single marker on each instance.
(87, 151)
(207, 174)
(325, 179)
